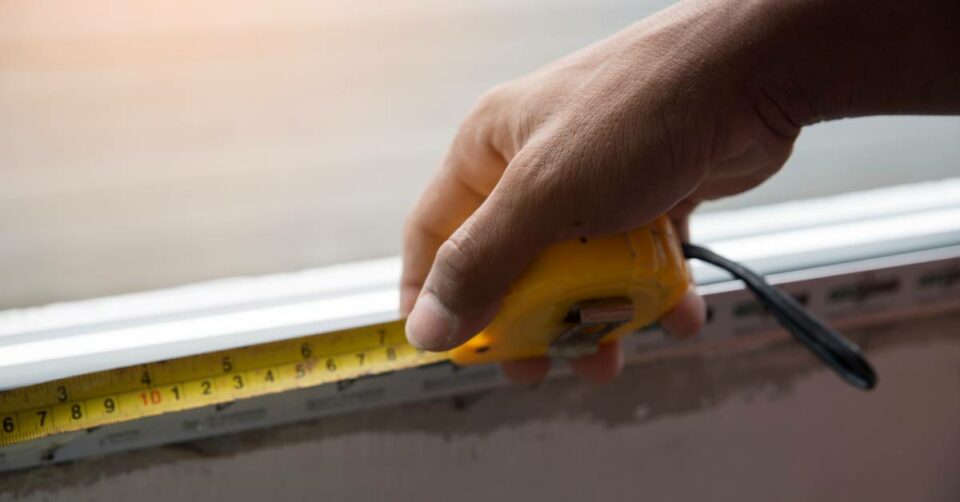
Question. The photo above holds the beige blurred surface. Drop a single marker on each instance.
(148, 144)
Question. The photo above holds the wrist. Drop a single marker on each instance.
(820, 59)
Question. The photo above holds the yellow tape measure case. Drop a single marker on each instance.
(645, 266)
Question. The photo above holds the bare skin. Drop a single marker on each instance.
(699, 101)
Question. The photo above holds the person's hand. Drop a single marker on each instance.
(651, 121)
(699, 101)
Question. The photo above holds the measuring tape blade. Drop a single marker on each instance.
(130, 393)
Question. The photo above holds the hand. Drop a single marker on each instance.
(652, 120)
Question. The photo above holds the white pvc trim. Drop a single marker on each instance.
(223, 293)
(58, 341)
(854, 206)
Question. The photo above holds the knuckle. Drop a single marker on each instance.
(419, 227)
(490, 108)
(493, 99)
(412, 228)
(455, 268)
(454, 258)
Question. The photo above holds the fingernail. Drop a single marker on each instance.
(430, 325)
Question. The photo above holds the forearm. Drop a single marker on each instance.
(829, 59)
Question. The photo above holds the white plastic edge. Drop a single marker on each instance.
(62, 340)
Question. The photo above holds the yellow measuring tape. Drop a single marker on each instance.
(644, 268)
(145, 390)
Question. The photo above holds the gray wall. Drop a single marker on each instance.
(767, 425)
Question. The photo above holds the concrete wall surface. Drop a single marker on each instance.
(763, 425)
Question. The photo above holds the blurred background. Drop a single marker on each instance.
(150, 144)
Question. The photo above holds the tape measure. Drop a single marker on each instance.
(573, 297)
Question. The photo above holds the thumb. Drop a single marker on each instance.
(474, 268)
